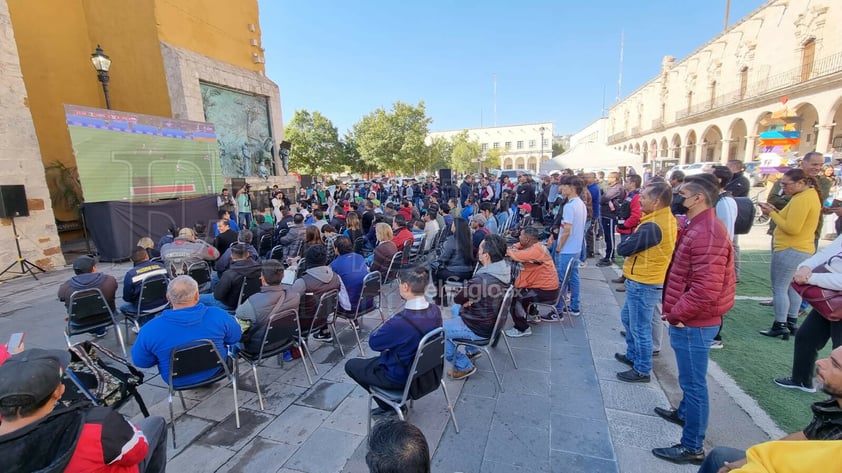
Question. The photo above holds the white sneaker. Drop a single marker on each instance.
(515, 333)
(583, 264)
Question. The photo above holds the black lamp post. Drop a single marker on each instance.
(541, 159)
(102, 63)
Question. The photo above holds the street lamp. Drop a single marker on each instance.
(541, 159)
(102, 63)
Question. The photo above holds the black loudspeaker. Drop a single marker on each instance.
(13, 202)
(445, 176)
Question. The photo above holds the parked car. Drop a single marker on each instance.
(698, 168)
(752, 172)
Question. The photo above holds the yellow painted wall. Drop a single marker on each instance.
(218, 29)
(55, 39)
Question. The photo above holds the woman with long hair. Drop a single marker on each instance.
(353, 229)
(456, 262)
(793, 242)
(312, 237)
(384, 251)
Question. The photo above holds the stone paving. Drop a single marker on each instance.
(562, 411)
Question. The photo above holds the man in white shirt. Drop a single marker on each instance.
(571, 236)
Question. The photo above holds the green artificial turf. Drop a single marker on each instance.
(754, 360)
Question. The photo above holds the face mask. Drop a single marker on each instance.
(679, 207)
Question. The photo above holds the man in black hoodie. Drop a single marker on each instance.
(226, 293)
(88, 278)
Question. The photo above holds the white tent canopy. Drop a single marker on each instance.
(593, 156)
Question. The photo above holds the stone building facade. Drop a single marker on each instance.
(523, 146)
(785, 57)
(20, 163)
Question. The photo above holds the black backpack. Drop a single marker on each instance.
(746, 212)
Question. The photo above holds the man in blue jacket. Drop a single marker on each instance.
(397, 340)
(352, 271)
(132, 282)
(187, 321)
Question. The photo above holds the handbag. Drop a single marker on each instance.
(827, 302)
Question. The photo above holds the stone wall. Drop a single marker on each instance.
(20, 163)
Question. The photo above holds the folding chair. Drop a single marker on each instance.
(195, 357)
(323, 317)
(484, 343)
(200, 271)
(248, 288)
(88, 310)
(153, 290)
(359, 246)
(428, 358)
(281, 334)
(552, 307)
(277, 253)
(370, 292)
(264, 245)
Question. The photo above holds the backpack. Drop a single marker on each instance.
(746, 212)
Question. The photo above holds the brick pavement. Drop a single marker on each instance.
(562, 410)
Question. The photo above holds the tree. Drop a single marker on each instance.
(315, 144)
(351, 156)
(558, 148)
(465, 153)
(392, 140)
(492, 158)
(437, 155)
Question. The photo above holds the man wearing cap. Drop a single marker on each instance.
(186, 249)
(478, 230)
(30, 386)
(525, 212)
(187, 321)
(87, 277)
(566, 240)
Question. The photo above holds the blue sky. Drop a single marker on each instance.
(553, 59)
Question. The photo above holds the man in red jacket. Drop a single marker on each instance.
(699, 289)
(30, 386)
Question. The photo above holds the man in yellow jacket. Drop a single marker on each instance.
(648, 252)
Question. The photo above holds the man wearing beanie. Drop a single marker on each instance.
(35, 435)
(87, 277)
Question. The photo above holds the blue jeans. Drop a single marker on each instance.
(641, 302)
(210, 301)
(784, 298)
(583, 255)
(561, 260)
(692, 347)
(245, 220)
(715, 459)
(456, 328)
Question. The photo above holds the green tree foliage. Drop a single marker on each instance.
(465, 153)
(437, 155)
(492, 158)
(558, 148)
(351, 156)
(315, 144)
(393, 140)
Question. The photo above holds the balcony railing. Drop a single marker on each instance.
(821, 67)
(616, 137)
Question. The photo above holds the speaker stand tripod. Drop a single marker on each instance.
(25, 265)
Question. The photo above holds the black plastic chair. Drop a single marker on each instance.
(323, 317)
(87, 310)
(153, 290)
(264, 245)
(359, 246)
(249, 287)
(429, 357)
(195, 357)
(484, 343)
(281, 334)
(370, 292)
(200, 271)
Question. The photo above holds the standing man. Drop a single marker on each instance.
(244, 206)
(739, 184)
(590, 234)
(648, 252)
(225, 201)
(699, 289)
(608, 202)
(569, 245)
(465, 189)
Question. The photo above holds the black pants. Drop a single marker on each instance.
(811, 337)
(442, 275)
(368, 372)
(590, 238)
(523, 298)
(608, 224)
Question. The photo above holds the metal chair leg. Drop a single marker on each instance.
(302, 347)
(368, 431)
(120, 338)
(236, 404)
(172, 422)
(493, 367)
(509, 347)
(449, 406)
(183, 405)
(357, 335)
(257, 384)
(563, 331)
(332, 328)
